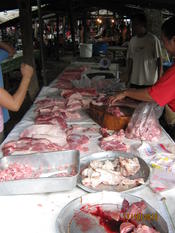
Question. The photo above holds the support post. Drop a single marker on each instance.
(43, 69)
(85, 28)
(25, 14)
(72, 28)
(57, 37)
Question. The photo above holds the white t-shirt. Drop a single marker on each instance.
(144, 52)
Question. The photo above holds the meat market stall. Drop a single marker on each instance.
(59, 120)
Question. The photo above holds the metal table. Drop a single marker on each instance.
(118, 52)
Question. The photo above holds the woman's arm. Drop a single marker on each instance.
(137, 94)
(14, 102)
(8, 48)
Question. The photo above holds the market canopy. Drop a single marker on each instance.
(80, 5)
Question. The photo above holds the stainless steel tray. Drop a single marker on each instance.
(72, 220)
(49, 162)
(144, 171)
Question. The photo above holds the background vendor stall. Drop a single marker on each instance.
(70, 141)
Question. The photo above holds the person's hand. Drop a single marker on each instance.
(113, 99)
(26, 70)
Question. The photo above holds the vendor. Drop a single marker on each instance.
(163, 91)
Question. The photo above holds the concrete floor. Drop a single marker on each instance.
(53, 69)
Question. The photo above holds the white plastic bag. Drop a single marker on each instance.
(144, 124)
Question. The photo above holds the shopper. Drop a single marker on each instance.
(6, 51)
(144, 55)
(14, 102)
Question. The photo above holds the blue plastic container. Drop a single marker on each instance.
(100, 48)
(167, 65)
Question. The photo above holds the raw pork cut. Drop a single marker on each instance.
(28, 146)
(17, 171)
(48, 102)
(63, 84)
(51, 132)
(82, 91)
(57, 119)
(126, 227)
(77, 141)
(144, 229)
(113, 142)
(115, 111)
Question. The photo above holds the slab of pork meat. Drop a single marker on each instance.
(48, 102)
(77, 139)
(51, 132)
(28, 146)
(113, 142)
(63, 84)
(135, 208)
(144, 229)
(52, 119)
(113, 145)
(82, 91)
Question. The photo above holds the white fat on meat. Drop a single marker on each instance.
(109, 177)
(96, 164)
(128, 166)
(111, 172)
(50, 132)
(108, 165)
(90, 172)
(134, 182)
(100, 176)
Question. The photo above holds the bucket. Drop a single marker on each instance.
(100, 48)
(85, 50)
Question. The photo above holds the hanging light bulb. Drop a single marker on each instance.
(99, 20)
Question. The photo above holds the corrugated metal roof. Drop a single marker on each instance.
(8, 15)
(11, 14)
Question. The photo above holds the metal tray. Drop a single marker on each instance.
(49, 163)
(144, 171)
(72, 220)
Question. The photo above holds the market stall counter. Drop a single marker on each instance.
(70, 128)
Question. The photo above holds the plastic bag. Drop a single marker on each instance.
(84, 82)
(158, 110)
(162, 180)
(154, 154)
(144, 124)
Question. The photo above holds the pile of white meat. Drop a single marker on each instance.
(116, 172)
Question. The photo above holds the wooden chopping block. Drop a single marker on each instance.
(107, 120)
(115, 123)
